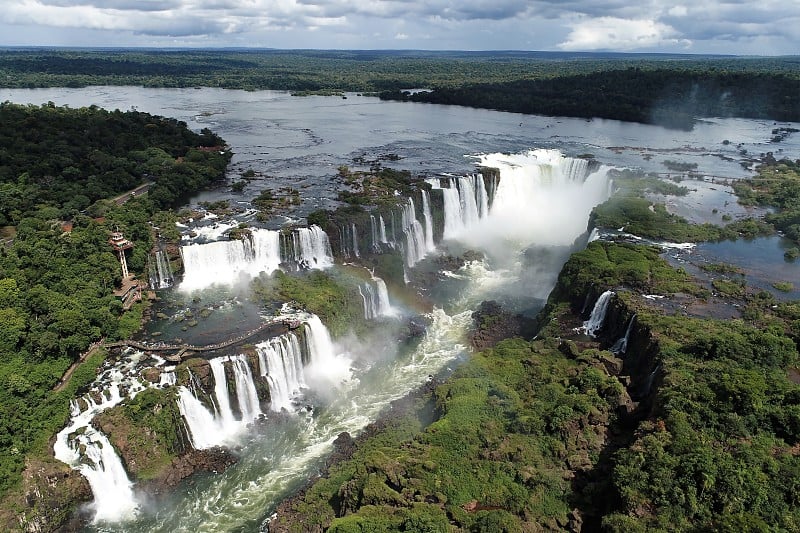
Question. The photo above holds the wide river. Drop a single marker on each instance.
(301, 141)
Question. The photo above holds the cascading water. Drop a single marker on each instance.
(542, 197)
(271, 465)
(281, 362)
(228, 261)
(415, 235)
(311, 247)
(621, 346)
(87, 450)
(426, 215)
(355, 240)
(160, 271)
(376, 299)
(222, 426)
(598, 316)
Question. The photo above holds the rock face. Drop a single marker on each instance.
(492, 323)
(212, 460)
(52, 491)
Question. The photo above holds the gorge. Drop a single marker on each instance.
(280, 403)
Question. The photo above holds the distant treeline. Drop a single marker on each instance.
(325, 71)
(668, 97)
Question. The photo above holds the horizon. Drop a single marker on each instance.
(718, 27)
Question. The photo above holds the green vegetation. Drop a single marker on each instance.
(650, 220)
(57, 270)
(605, 264)
(507, 423)
(62, 157)
(661, 89)
(532, 434)
(776, 185)
(268, 201)
(672, 96)
(334, 300)
(148, 430)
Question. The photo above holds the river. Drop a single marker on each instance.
(537, 218)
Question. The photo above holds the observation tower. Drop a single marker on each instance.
(120, 244)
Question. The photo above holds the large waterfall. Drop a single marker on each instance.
(417, 243)
(241, 259)
(223, 417)
(230, 261)
(281, 362)
(86, 449)
(311, 247)
(542, 196)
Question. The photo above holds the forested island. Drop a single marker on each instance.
(668, 411)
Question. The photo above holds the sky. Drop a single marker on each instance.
(741, 27)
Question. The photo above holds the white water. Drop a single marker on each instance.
(273, 462)
(160, 271)
(228, 262)
(621, 346)
(355, 240)
(414, 234)
(209, 428)
(311, 247)
(542, 198)
(426, 215)
(375, 297)
(281, 361)
(327, 367)
(598, 316)
(87, 450)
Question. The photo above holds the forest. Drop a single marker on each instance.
(673, 98)
(58, 173)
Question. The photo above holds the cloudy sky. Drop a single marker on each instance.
(761, 27)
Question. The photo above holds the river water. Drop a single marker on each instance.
(300, 142)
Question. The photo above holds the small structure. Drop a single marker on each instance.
(120, 244)
(131, 289)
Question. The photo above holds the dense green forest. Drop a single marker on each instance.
(670, 90)
(695, 428)
(58, 166)
(672, 97)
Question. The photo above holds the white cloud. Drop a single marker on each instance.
(612, 33)
(727, 26)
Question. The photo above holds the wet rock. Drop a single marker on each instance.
(492, 323)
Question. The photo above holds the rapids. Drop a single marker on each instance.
(526, 224)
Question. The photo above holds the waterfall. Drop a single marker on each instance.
(621, 346)
(466, 202)
(542, 196)
(84, 448)
(160, 271)
(426, 215)
(355, 240)
(376, 299)
(311, 248)
(382, 229)
(325, 365)
(281, 362)
(598, 316)
(207, 428)
(594, 235)
(378, 227)
(415, 235)
(91, 453)
(228, 261)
